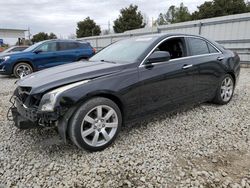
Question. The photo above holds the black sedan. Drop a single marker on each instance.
(89, 102)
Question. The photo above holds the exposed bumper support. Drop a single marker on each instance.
(22, 122)
(28, 118)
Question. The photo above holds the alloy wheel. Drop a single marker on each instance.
(23, 70)
(227, 88)
(99, 125)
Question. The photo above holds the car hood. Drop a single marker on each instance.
(13, 54)
(61, 75)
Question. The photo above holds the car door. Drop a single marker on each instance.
(45, 55)
(68, 52)
(206, 57)
(168, 85)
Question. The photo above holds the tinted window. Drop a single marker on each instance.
(211, 48)
(85, 45)
(48, 47)
(176, 47)
(198, 46)
(124, 51)
(68, 45)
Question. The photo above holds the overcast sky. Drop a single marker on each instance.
(61, 16)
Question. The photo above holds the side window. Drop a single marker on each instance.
(175, 46)
(73, 45)
(48, 47)
(84, 45)
(211, 49)
(68, 45)
(198, 46)
(62, 46)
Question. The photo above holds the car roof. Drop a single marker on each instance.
(64, 40)
(164, 35)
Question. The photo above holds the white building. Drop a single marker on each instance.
(12, 33)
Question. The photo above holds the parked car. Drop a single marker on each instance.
(128, 80)
(14, 49)
(43, 55)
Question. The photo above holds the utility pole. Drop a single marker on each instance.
(29, 35)
(109, 27)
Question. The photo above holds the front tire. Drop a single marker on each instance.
(225, 91)
(95, 124)
(22, 69)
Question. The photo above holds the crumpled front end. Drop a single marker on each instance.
(25, 110)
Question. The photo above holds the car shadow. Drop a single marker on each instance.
(7, 77)
(161, 116)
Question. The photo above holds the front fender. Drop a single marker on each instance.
(79, 94)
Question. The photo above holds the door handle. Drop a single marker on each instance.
(220, 58)
(187, 66)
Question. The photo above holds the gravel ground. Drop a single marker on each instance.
(206, 146)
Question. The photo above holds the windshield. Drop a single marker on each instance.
(125, 51)
(34, 46)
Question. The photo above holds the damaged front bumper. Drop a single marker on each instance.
(20, 121)
(30, 117)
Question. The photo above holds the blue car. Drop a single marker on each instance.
(44, 55)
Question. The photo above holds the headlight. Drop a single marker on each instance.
(48, 101)
(5, 58)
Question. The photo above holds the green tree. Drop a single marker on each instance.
(171, 14)
(87, 28)
(52, 36)
(161, 20)
(206, 10)
(174, 15)
(220, 8)
(43, 36)
(181, 14)
(129, 18)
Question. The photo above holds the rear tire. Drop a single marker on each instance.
(22, 69)
(95, 124)
(225, 90)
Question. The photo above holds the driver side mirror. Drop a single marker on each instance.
(158, 56)
(38, 51)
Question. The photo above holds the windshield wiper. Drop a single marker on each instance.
(108, 61)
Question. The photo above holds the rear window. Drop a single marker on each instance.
(198, 46)
(85, 45)
(211, 49)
